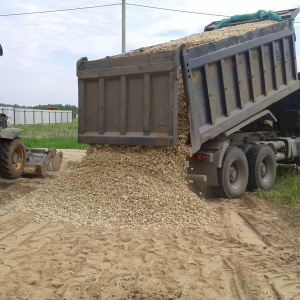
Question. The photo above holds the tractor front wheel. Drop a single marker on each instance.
(12, 158)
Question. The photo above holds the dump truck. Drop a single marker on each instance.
(236, 142)
(17, 160)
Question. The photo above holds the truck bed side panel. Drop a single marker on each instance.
(230, 80)
(129, 100)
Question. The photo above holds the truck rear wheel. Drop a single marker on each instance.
(233, 176)
(12, 158)
(245, 147)
(262, 167)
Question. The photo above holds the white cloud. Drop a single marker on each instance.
(41, 50)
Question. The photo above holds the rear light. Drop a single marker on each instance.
(199, 156)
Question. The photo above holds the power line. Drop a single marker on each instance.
(181, 11)
(113, 4)
(58, 10)
(176, 10)
(106, 5)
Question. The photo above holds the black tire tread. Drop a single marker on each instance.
(245, 147)
(6, 171)
(222, 190)
(252, 156)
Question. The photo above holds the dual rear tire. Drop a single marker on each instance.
(246, 167)
(262, 167)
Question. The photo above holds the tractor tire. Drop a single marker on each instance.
(262, 167)
(233, 175)
(12, 158)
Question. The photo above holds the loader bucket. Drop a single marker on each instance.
(39, 161)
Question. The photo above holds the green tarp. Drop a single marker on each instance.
(261, 14)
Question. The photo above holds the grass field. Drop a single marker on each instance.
(60, 136)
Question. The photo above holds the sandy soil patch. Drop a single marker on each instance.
(248, 254)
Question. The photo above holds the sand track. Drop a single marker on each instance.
(248, 254)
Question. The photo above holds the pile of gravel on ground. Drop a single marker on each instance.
(122, 187)
(132, 187)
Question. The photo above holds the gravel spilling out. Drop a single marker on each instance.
(132, 187)
(122, 187)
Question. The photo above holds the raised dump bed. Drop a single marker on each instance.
(133, 100)
(231, 80)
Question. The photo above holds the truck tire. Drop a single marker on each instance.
(12, 158)
(262, 167)
(233, 175)
(245, 147)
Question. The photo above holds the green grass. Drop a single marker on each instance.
(285, 195)
(287, 188)
(60, 136)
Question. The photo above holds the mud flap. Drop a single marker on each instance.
(39, 161)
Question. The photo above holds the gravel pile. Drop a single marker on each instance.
(122, 187)
(131, 187)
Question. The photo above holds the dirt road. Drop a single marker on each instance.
(249, 254)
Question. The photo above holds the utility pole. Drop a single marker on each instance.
(123, 26)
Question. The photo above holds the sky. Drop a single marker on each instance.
(38, 66)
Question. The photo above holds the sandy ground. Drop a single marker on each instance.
(249, 254)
